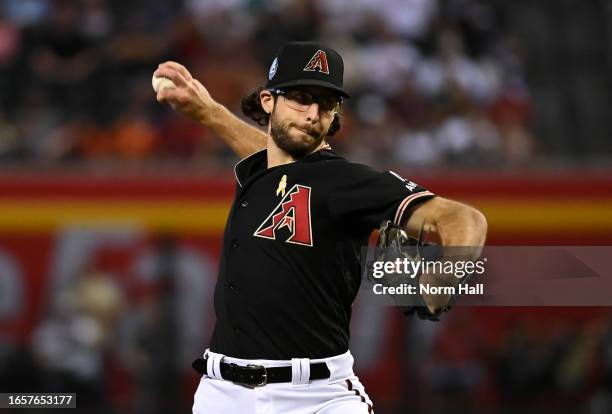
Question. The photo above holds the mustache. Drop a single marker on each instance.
(309, 130)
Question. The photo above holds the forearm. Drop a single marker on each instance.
(462, 232)
(190, 98)
(242, 138)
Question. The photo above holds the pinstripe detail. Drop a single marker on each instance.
(349, 384)
(406, 202)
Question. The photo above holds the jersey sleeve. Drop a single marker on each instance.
(365, 197)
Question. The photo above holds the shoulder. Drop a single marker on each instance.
(331, 159)
(344, 170)
(249, 165)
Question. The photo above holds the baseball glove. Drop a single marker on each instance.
(393, 243)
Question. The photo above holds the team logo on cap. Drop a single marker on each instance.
(318, 62)
(273, 69)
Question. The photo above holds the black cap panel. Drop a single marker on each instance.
(305, 64)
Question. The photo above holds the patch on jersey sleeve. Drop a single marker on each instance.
(293, 213)
(410, 185)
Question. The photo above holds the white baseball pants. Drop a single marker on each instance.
(342, 393)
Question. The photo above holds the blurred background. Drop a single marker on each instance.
(112, 206)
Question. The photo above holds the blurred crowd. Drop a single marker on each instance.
(117, 357)
(432, 82)
(554, 361)
(122, 338)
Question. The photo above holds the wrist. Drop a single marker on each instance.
(209, 115)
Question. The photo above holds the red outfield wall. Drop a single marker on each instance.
(54, 226)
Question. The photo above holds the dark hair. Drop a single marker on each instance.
(251, 107)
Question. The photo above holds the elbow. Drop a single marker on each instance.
(480, 225)
(473, 225)
(480, 222)
(464, 227)
(459, 224)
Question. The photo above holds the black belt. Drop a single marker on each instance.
(258, 375)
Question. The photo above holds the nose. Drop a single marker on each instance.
(312, 113)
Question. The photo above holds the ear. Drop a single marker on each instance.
(267, 101)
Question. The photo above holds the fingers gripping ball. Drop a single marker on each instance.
(161, 82)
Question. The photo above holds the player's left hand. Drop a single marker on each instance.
(189, 97)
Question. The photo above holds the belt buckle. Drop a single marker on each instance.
(264, 376)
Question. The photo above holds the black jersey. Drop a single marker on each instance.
(290, 265)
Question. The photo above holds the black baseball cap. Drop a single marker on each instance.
(307, 64)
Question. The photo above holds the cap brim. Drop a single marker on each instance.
(313, 82)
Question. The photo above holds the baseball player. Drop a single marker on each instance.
(289, 268)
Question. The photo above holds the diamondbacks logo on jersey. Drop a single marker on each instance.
(318, 62)
(293, 212)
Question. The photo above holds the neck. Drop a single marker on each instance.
(277, 156)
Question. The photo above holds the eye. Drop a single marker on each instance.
(327, 103)
(300, 97)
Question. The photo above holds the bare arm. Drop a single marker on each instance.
(193, 100)
(454, 224)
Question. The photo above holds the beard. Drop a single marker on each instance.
(297, 147)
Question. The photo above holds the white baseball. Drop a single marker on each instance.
(161, 82)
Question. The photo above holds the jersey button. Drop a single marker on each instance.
(244, 203)
(235, 243)
(237, 330)
(232, 286)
